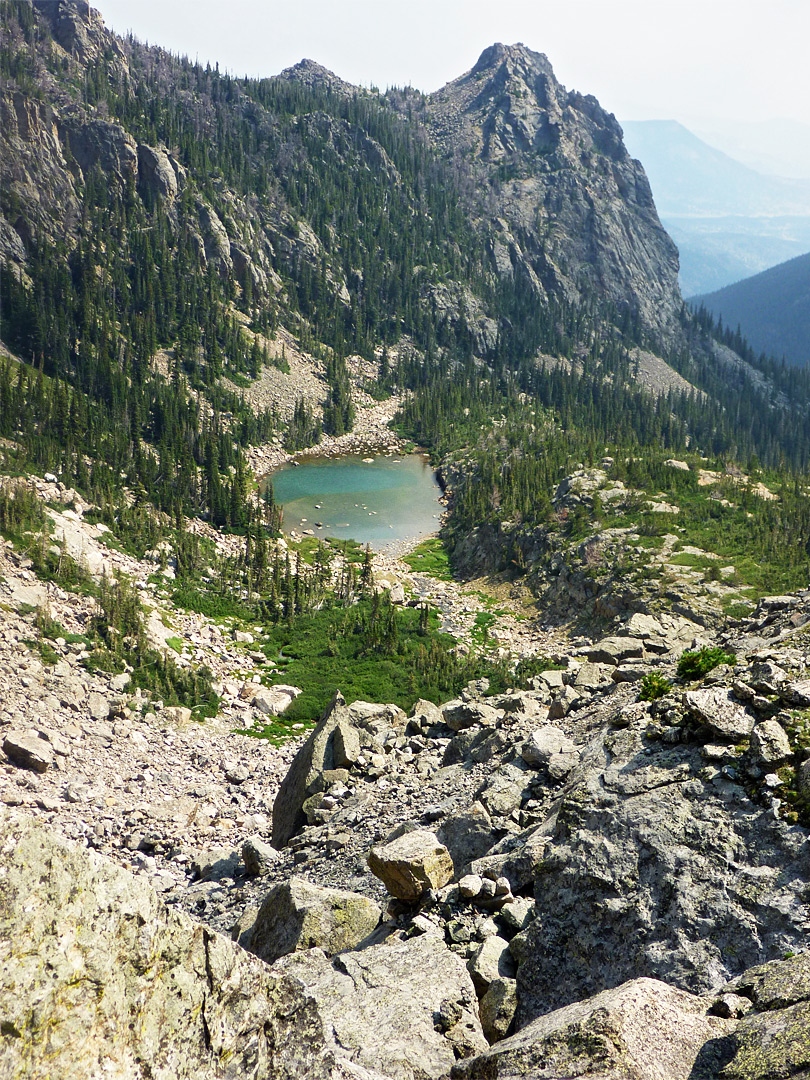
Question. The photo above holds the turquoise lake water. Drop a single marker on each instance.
(375, 502)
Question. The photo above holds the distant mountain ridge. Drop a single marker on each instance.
(728, 220)
(689, 178)
(772, 309)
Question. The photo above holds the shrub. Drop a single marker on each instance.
(653, 686)
(694, 665)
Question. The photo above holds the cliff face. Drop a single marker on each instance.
(571, 211)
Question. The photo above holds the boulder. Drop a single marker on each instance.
(766, 677)
(305, 776)
(412, 864)
(544, 743)
(716, 710)
(770, 745)
(776, 984)
(98, 705)
(771, 1045)
(404, 1008)
(86, 946)
(643, 1029)
(492, 960)
(273, 700)
(497, 1008)
(803, 778)
(615, 650)
(178, 714)
(425, 714)
(297, 915)
(459, 715)
(467, 836)
(470, 886)
(212, 864)
(564, 700)
(796, 693)
(553, 678)
(346, 745)
(593, 676)
(258, 856)
(517, 913)
(27, 750)
(504, 790)
(645, 868)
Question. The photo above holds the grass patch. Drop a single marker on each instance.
(46, 651)
(280, 730)
(484, 622)
(431, 558)
(214, 605)
(371, 651)
(685, 558)
(309, 547)
(737, 606)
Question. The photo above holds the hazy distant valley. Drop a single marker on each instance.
(729, 220)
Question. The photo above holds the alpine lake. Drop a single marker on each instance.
(381, 501)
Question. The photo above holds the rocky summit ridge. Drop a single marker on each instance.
(573, 212)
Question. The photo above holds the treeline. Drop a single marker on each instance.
(506, 442)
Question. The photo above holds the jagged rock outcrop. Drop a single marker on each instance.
(573, 211)
(319, 762)
(652, 845)
(79, 30)
(155, 170)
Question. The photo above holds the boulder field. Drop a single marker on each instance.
(555, 882)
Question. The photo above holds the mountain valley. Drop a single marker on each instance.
(527, 798)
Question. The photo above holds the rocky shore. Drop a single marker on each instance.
(371, 435)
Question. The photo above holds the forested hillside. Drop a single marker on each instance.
(492, 250)
(770, 309)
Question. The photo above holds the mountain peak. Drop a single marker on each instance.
(316, 76)
(519, 54)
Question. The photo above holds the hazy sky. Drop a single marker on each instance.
(644, 59)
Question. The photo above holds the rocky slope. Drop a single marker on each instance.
(563, 880)
(587, 877)
(562, 860)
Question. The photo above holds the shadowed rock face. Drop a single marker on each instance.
(657, 867)
(572, 211)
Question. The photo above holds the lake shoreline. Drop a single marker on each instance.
(372, 434)
(389, 501)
